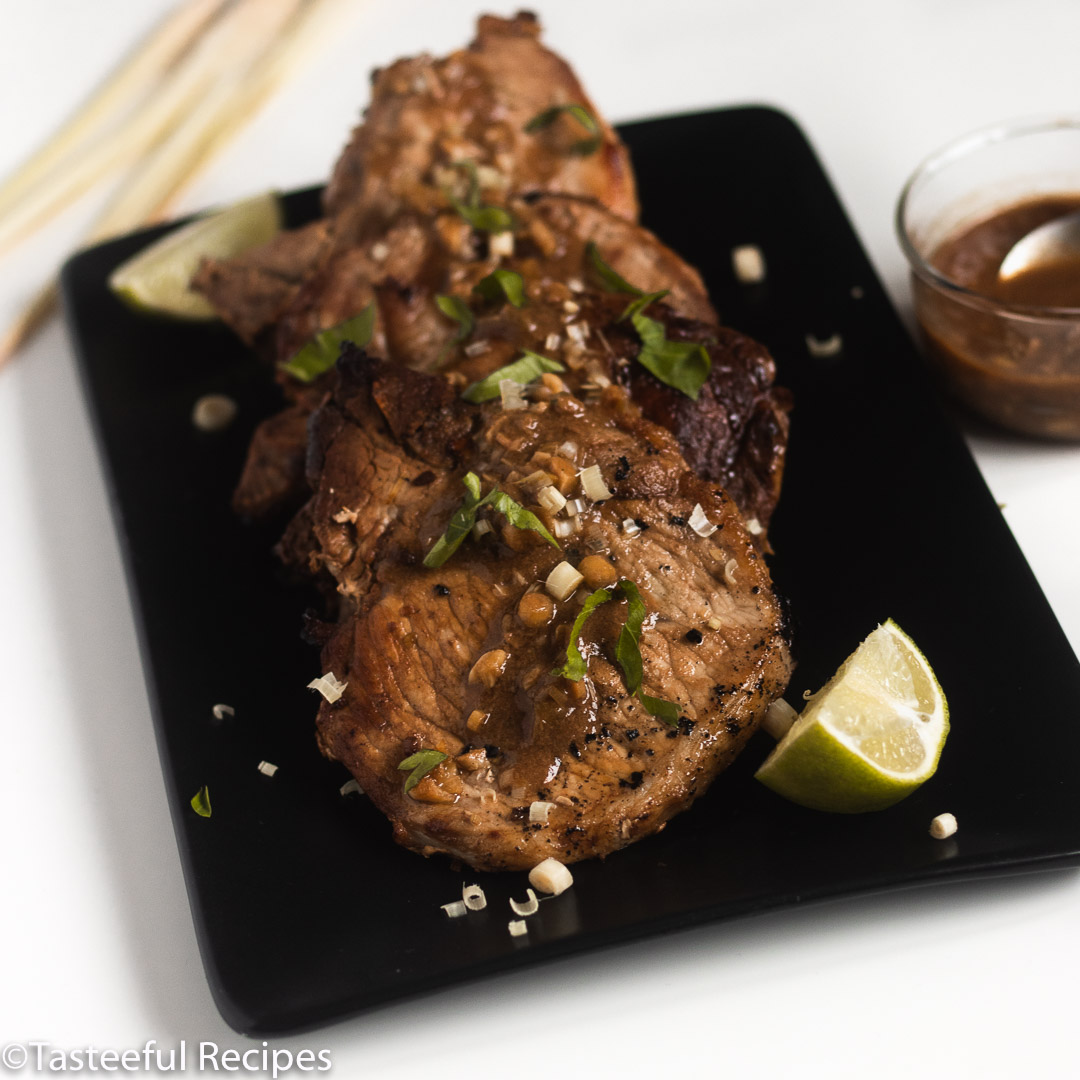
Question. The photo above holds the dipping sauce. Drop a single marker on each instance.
(1003, 351)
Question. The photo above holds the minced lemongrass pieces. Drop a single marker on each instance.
(819, 349)
(267, 769)
(455, 910)
(700, 523)
(748, 263)
(328, 686)
(729, 570)
(351, 787)
(551, 498)
(630, 527)
(501, 243)
(539, 810)
(778, 719)
(529, 907)
(753, 526)
(511, 394)
(563, 581)
(473, 897)
(575, 507)
(213, 412)
(592, 484)
(221, 711)
(517, 927)
(551, 876)
(943, 826)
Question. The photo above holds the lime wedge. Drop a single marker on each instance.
(157, 278)
(870, 736)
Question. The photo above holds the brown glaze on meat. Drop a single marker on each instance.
(473, 106)
(439, 659)
(373, 455)
(252, 290)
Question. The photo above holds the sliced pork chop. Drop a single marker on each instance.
(425, 115)
(440, 659)
(475, 105)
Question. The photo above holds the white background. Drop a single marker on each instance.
(96, 942)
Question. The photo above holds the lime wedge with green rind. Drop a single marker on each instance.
(870, 736)
(158, 278)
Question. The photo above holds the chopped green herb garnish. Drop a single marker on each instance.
(464, 519)
(627, 650)
(574, 668)
(524, 370)
(200, 801)
(638, 306)
(502, 285)
(684, 365)
(418, 765)
(611, 278)
(493, 219)
(455, 308)
(584, 147)
(321, 353)
(472, 197)
(628, 653)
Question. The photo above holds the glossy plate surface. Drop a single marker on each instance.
(306, 910)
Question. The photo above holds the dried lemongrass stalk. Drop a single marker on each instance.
(148, 194)
(131, 81)
(233, 42)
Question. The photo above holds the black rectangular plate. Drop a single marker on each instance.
(306, 911)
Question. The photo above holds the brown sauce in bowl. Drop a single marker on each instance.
(1004, 352)
(971, 257)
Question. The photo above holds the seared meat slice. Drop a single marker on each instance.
(252, 290)
(273, 476)
(473, 106)
(734, 434)
(425, 115)
(440, 659)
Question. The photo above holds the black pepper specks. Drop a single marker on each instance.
(632, 733)
(574, 751)
(676, 519)
(622, 470)
(694, 636)
(685, 725)
(642, 525)
(633, 782)
(442, 590)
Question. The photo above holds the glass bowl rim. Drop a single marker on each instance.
(945, 155)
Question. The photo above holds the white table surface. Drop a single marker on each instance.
(96, 941)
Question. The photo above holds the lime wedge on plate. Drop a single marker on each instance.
(870, 736)
(157, 278)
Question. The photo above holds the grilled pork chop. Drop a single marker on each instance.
(441, 659)
(734, 435)
(466, 659)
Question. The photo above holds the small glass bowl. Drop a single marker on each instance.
(1016, 365)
